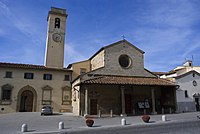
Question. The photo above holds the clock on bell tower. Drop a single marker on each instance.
(54, 55)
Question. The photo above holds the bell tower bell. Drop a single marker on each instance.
(54, 55)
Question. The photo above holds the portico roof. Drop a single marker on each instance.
(123, 80)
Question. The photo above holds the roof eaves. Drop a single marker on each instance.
(130, 80)
(30, 66)
(192, 71)
(115, 44)
(151, 72)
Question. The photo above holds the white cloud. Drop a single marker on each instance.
(4, 9)
(170, 13)
(167, 34)
(72, 55)
(21, 21)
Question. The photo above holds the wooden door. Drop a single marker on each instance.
(93, 106)
(197, 104)
(128, 104)
(26, 104)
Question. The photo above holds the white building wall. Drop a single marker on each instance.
(186, 83)
(76, 98)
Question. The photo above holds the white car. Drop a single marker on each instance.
(46, 110)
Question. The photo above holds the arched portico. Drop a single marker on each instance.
(27, 99)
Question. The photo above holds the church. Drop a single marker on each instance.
(112, 80)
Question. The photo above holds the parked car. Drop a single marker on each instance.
(46, 110)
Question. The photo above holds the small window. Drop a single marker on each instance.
(57, 23)
(67, 78)
(28, 75)
(193, 74)
(82, 71)
(47, 76)
(8, 74)
(186, 94)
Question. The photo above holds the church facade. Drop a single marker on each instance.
(118, 83)
(112, 80)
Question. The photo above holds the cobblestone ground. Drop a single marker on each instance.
(11, 123)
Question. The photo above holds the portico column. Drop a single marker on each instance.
(86, 100)
(123, 101)
(153, 101)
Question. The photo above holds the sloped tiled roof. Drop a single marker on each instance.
(129, 80)
(164, 73)
(187, 73)
(28, 66)
(159, 73)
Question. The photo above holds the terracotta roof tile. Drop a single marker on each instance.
(129, 80)
(28, 66)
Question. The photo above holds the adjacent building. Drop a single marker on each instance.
(187, 77)
(26, 88)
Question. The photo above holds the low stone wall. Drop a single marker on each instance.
(186, 107)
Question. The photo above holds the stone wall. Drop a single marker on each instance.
(186, 107)
(98, 60)
(111, 61)
(77, 66)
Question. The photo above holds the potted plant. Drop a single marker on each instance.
(146, 118)
(89, 122)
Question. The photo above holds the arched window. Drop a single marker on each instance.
(6, 92)
(57, 23)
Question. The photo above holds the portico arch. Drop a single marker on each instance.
(27, 99)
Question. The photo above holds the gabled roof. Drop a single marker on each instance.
(146, 81)
(187, 73)
(159, 73)
(164, 73)
(103, 48)
(29, 66)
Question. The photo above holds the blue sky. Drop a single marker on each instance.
(168, 31)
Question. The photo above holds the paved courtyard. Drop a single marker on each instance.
(11, 123)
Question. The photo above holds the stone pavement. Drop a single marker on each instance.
(11, 123)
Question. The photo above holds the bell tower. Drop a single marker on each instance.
(54, 54)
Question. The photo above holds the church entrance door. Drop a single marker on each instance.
(26, 103)
(128, 104)
(93, 106)
(197, 104)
